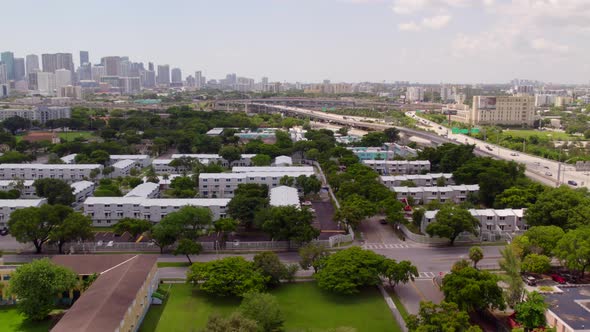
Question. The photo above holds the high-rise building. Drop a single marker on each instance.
(129, 85)
(198, 79)
(4, 90)
(414, 93)
(163, 75)
(112, 65)
(74, 92)
(33, 81)
(3, 73)
(32, 61)
(19, 69)
(148, 78)
(53, 62)
(124, 68)
(46, 83)
(151, 66)
(499, 110)
(446, 93)
(176, 75)
(8, 59)
(190, 81)
(84, 57)
(63, 77)
(85, 72)
(98, 72)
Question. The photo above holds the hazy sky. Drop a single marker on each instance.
(311, 40)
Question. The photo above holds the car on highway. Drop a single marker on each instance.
(548, 173)
(514, 154)
(489, 148)
(558, 279)
(572, 183)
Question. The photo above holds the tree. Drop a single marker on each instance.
(290, 223)
(443, 317)
(544, 238)
(311, 255)
(37, 284)
(224, 226)
(447, 157)
(230, 276)
(16, 123)
(531, 313)
(192, 220)
(270, 266)
(264, 309)
(55, 190)
(183, 187)
(396, 272)
(309, 184)
(355, 209)
(472, 289)
(392, 134)
(248, 200)
(99, 157)
(536, 263)
(135, 227)
(574, 249)
(35, 224)
(373, 138)
(475, 255)
(261, 160)
(188, 247)
(348, 270)
(236, 322)
(562, 207)
(511, 265)
(230, 153)
(515, 198)
(451, 221)
(75, 227)
(164, 234)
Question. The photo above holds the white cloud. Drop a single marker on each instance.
(436, 22)
(543, 45)
(409, 26)
(414, 6)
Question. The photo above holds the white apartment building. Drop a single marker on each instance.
(493, 223)
(284, 196)
(503, 110)
(10, 205)
(45, 83)
(66, 172)
(140, 160)
(123, 167)
(223, 185)
(82, 190)
(28, 190)
(145, 190)
(424, 195)
(107, 211)
(420, 180)
(69, 159)
(162, 182)
(271, 169)
(414, 93)
(63, 77)
(163, 165)
(387, 167)
(41, 114)
(283, 161)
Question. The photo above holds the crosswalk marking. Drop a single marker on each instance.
(426, 275)
(384, 246)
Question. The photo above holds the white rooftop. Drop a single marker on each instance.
(251, 169)
(49, 166)
(251, 174)
(143, 190)
(148, 202)
(206, 155)
(81, 185)
(283, 160)
(284, 196)
(129, 156)
(123, 163)
(69, 158)
(22, 203)
(162, 161)
(6, 183)
(162, 180)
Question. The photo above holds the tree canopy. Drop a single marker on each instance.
(451, 221)
(289, 223)
(135, 227)
(573, 249)
(563, 207)
(55, 190)
(443, 317)
(531, 313)
(473, 289)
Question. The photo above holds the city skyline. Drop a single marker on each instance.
(457, 41)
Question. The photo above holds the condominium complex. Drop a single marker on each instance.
(387, 167)
(66, 172)
(41, 113)
(123, 167)
(420, 180)
(225, 184)
(493, 223)
(163, 165)
(106, 211)
(425, 195)
(80, 189)
(279, 169)
(141, 160)
(500, 110)
(10, 205)
(145, 190)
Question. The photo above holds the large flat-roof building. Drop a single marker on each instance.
(424, 195)
(223, 185)
(420, 180)
(107, 211)
(388, 151)
(41, 113)
(163, 165)
(141, 160)
(569, 310)
(271, 169)
(516, 110)
(66, 172)
(284, 196)
(392, 167)
(8, 206)
(146, 190)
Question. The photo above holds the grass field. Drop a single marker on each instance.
(305, 308)
(72, 135)
(173, 264)
(552, 135)
(12, 321)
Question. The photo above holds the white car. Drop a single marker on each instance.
(514, 154)
(306, 203)
(548, 174)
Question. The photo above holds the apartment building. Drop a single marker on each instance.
(145, 190)
(424, 195)
(66, 172)
(164, 183)
(107, 211)
(41, 113)
(223, 185)
(82, 190)
(420, 180)
(388, 151)
(493, 223)
(516, 110)
(27, 191)
(69, 159)
(140, 160)
(271, 169)
(387, 167)
(123, 167)
(10, 205)
(163, 166)
(283, 161)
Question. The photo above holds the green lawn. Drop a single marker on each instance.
(551, 135)
(12, 321)
(72, 135)
(305, 307)
(173, 264)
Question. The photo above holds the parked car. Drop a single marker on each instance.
(571, 278)
(548, 174)
(383, 221)
(529, 280)
(558, 279)
(572, 183)
(4, 231)
(306, 203)
(514, 154)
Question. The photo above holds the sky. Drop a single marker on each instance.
(428, 41)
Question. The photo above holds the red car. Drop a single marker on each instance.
(558, 279)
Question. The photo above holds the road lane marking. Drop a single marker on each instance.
(373, 246)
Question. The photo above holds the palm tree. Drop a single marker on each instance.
(511, 265)
(475, 255)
